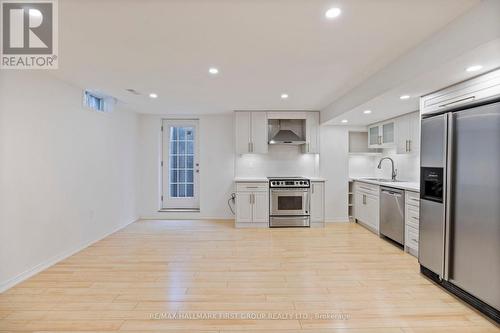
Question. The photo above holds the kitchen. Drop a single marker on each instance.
(262, 166)
(439, 140)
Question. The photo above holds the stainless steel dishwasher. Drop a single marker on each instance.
(392, 214)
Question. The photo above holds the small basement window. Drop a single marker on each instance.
(97, 101)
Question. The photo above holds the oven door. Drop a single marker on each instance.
(289, 201)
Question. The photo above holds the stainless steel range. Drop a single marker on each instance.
(289, 202)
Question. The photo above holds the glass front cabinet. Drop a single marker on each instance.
(381, 135)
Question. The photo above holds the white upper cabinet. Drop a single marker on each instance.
(312, 133)
(259, 132)
(251, 132)
(408, 133)
(382, 135)
(476, 89)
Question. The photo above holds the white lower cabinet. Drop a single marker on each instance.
(244, 207)
(367, 205)
(252, 205)
(260, 212)
(412, 221)
(317, 202)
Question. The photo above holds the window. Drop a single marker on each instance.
(94, 102)
(97, 101)
(181, 161)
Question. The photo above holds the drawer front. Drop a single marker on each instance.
(413, 198)
(252, 187)
(412, 216)
(412, 238)
(366, 188)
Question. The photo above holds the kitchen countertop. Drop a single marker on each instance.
(264, 179)
(250, 179)
(410, 186)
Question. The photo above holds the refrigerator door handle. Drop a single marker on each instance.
(447, 198)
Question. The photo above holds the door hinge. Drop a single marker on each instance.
(162, 198)
(161, 163)
(162, 128)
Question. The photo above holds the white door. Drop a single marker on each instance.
(403, 134)
(260, 207)
(244, 206)
(373, 136)
(414, 144)
(259, 132)
(180, 164)
(372, 211)
(242, 125)
(317, 200)
(388, 133)
(312, 131)
(359, 206)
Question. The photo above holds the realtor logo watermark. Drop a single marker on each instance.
(29, 34)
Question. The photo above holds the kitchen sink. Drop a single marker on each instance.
(384, 180)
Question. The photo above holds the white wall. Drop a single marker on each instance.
(67, 174)
(216, 167)
(334, 168)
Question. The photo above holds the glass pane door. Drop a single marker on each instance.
(373, 135)
(388, 133)
(180, 164)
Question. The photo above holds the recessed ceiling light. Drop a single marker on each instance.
(153, 95)
(333, 13)
(404, 97)
(367, 111)
(473, 68)
(344, 121)
(284, 96)
(213, 70)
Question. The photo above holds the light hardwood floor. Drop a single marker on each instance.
(154, 268)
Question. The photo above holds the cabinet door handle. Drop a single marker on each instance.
(409, 145)
(406, 146)
(458, 101)
(249, 147)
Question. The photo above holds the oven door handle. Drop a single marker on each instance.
(297, 190)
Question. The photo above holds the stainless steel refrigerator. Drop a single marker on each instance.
(459, 239)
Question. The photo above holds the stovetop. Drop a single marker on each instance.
(292, 182)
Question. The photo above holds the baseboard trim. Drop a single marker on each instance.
(179, 210)
(337, 221)
(4, 286)
(200, 218)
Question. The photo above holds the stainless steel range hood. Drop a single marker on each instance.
(286, 137)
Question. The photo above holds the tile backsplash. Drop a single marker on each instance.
(407, 166)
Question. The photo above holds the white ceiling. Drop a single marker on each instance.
(262, 49)
(389, 104)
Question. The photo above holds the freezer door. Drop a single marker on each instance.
(433, 142)
(431, 236)
(475, 203)
(432, 208)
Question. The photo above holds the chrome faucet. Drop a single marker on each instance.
(394, 171)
